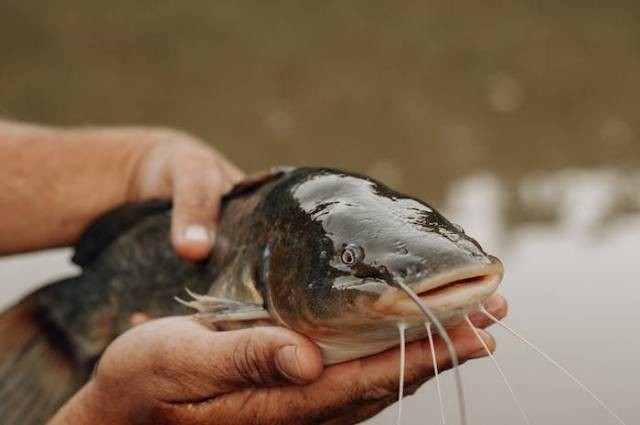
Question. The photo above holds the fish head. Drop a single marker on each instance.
(347, 243)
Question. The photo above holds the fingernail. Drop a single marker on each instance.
(288, 364)
(197, 233)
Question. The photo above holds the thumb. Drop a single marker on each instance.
(268, 356)
(179, 359)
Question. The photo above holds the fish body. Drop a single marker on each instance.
(316, 250)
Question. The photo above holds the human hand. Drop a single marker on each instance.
(176, 371)
(59, 180)
(195, 176)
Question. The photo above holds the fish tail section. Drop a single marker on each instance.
(38, 372)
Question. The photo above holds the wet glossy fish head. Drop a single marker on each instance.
(343, 243)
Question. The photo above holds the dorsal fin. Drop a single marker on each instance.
(256, 180)
(109, 226)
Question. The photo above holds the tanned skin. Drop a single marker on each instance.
(173, 370)
(56, 181)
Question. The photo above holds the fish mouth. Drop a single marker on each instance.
(449, 295)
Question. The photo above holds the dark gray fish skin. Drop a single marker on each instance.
(398, 237)
(313, 216)
(280, 254)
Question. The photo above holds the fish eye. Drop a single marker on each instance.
(351, 254)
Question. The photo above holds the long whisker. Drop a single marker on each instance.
(426, 311)
(435, 370)
(556, 364)
(401, 328)
(500, 371)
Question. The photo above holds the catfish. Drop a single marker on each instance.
(323, 252)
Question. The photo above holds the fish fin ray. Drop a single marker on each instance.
(214, 309)
(234, 316)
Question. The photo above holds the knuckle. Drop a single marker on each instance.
(251, 362)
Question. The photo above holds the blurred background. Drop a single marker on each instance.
(520, 120)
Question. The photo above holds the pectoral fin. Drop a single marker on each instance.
(214, 309)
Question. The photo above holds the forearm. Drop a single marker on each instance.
(55, 181)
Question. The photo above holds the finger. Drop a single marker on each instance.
(381, 370)
(179, 360)
(197, 191)
(419, 367)
(368, 381)
(419, 364)
(445, 362)
(268, 356)
(233, 173)
(371, 382)
(496, 305)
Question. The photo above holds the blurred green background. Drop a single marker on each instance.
(521, 120)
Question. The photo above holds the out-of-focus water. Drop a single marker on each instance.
(520, 120)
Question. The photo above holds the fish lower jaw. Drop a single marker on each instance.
(451, 301)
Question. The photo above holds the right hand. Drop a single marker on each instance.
(176, 371)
